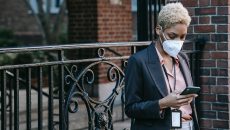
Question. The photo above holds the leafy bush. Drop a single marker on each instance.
(7, 38)
(63, 39)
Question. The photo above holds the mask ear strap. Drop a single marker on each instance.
(163, 33)
(160, 39)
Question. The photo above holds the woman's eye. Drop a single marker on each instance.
(171, 37)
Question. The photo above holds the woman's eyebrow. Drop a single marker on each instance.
(176, 34)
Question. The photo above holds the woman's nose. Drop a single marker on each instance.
(178, 39)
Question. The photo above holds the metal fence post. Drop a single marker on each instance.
(61, 90)
(198, 80)
(16, 99)
(28, 98)
(40, 115)
(50, 105)
(3, 99)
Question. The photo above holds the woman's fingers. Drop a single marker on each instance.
(177, 92)
(185, 103)
(186, 96)
(186, 100)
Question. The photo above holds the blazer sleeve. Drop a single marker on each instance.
(135, 107)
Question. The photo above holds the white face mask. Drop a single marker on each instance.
(172, 47)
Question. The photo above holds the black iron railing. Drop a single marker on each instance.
(76, 80)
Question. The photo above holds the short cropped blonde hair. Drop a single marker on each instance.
(172, 14)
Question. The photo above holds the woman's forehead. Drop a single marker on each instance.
(177, 29)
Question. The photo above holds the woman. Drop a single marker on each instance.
(155, 77)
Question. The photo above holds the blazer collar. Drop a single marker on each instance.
(154, 67)
(187, 75)
(185, 71)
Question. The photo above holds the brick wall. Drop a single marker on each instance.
(99, 21)
(210, 18)
(114, 21)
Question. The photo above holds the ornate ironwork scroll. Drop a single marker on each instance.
(97, 120)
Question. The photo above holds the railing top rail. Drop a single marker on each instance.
(84, 45)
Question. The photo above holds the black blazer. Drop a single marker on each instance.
(145, 85)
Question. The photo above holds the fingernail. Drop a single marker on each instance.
(196, 95)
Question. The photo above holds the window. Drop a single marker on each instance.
(54, 7)
(134, 5)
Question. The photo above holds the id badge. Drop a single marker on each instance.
(176, 118)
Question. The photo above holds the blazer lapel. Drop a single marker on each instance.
(186, 73)
(155, 70)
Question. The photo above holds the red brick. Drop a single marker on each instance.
(204, 3)
(208, 114)
(222, 46)
(219, 37)
(206, 123)
(222, 98)
(205, 89)
(190, 11)
(220, 106)
(222, 81)
(220, 89)
(205, 35)
(208, 63)
(209, 46)
(205, 11)
(208, 97)
(190, 29)
(205, 72)
(220, 2)
(220, 124)
(219, 72)
(190, 3)
(223, 115)
(223, 10)
(221, 63)
(191, 36)
(222, 28)
(205, 106)
(219, 19)
(219, 55)
(205, 55)
(204, 20)
(188, 46)
(194, 20)
(204, 28)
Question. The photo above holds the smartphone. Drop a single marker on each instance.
(190, 90)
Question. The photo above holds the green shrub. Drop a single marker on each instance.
(63, 39)
(7, 38)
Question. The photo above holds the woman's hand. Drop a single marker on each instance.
(176, 100)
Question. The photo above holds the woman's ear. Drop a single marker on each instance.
(158, 30)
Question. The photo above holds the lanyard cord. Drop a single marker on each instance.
(168, 77)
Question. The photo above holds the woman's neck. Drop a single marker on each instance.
(161, 50)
